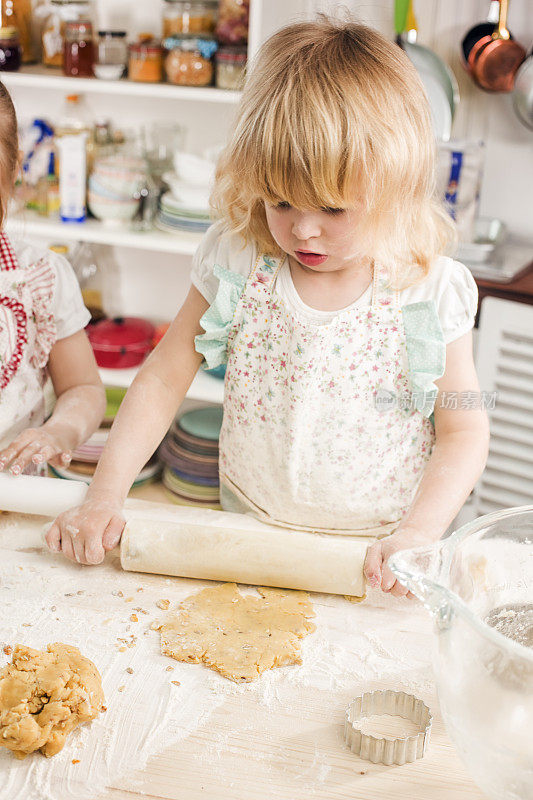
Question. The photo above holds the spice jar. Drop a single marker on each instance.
(231, 67)
(197, 17)
(190, 60)
(112, 55)
(232, 25)
(78, 50)
(146, 61)
(10, 50)
(59, 13)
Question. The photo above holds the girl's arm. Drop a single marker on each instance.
(457, 461)
(86, 532)
(78, 412)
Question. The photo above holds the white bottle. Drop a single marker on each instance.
(73, 177)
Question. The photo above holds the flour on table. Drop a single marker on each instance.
(238, 635)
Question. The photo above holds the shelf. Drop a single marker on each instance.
(31, 224)
(204, 387)
(39, 77)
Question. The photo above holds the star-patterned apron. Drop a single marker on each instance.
(305, 442)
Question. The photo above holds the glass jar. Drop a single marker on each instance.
(190, 60)
(19, 14)
(60, 12)
(231, 67)
(146, 61)
(112, 55)
(10, 50)
(232, 25)
(78, 51)
(198, 17)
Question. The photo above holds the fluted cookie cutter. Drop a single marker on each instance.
(382, 749)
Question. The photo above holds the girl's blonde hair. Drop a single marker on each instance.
(333, 112)
(9, 150)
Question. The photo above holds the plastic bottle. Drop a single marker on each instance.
(75, 118)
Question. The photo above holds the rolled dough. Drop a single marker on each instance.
(44, 695)
(239, 636)
(222, 546)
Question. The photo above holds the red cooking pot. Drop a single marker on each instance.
(121, 342)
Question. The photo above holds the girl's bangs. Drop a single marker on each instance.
(304, 171)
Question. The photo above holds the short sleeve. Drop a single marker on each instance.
(223, 248)
(457, 301)
(70, 314)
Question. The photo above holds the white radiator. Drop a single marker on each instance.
(504, 361)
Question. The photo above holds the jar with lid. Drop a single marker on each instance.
(194, 18)
(190, 60)
(10, 50)
(19, 14)
(58, 13)
(233, 19)
(231, 67)
(146, 61)
(112, 57)
(78, 50)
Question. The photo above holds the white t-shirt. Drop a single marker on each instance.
(449, 283)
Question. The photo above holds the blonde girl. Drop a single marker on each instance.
(324, 289)
(42, 317)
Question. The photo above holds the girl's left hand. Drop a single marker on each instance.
(37, 446)
(376, 570)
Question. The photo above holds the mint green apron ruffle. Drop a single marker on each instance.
(426, 353)
(217, 320)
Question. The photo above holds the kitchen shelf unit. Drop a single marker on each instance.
(31, 224)
(204, 387)
(39, 77)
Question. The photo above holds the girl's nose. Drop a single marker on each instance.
(305, 226)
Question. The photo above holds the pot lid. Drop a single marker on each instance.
(121, 331)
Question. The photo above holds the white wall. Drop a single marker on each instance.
(507, 190)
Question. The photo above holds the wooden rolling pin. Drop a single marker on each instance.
(213, 545)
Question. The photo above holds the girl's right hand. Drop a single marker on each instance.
(85, 533)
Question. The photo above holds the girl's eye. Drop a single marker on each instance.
(283, 204)
(333, 211)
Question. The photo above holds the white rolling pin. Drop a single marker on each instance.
(212, 545)
(47, 497)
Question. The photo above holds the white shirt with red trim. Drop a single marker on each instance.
(40, 303)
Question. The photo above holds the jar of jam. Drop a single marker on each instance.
(78, 52)
(146, 61)
(231, 67)
(190, 60)
(10, 50)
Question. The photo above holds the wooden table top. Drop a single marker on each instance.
(285, 743)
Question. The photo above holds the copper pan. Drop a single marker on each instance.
(494, 60)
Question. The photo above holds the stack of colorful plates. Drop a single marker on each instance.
(176, 215)
(85, 458)
(190, 455)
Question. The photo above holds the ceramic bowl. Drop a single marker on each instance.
(195, 197)
(194, 170)
(112, 211)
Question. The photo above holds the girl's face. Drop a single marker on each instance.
(322, 239)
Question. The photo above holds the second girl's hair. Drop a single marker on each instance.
(333, 113)
(9, 150)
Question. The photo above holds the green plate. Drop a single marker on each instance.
(205, 423)
(114, 397)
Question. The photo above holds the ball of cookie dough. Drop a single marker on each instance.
(44, 695)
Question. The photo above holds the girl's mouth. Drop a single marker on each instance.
(310, 259)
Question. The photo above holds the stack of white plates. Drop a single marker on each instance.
(177, 215)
